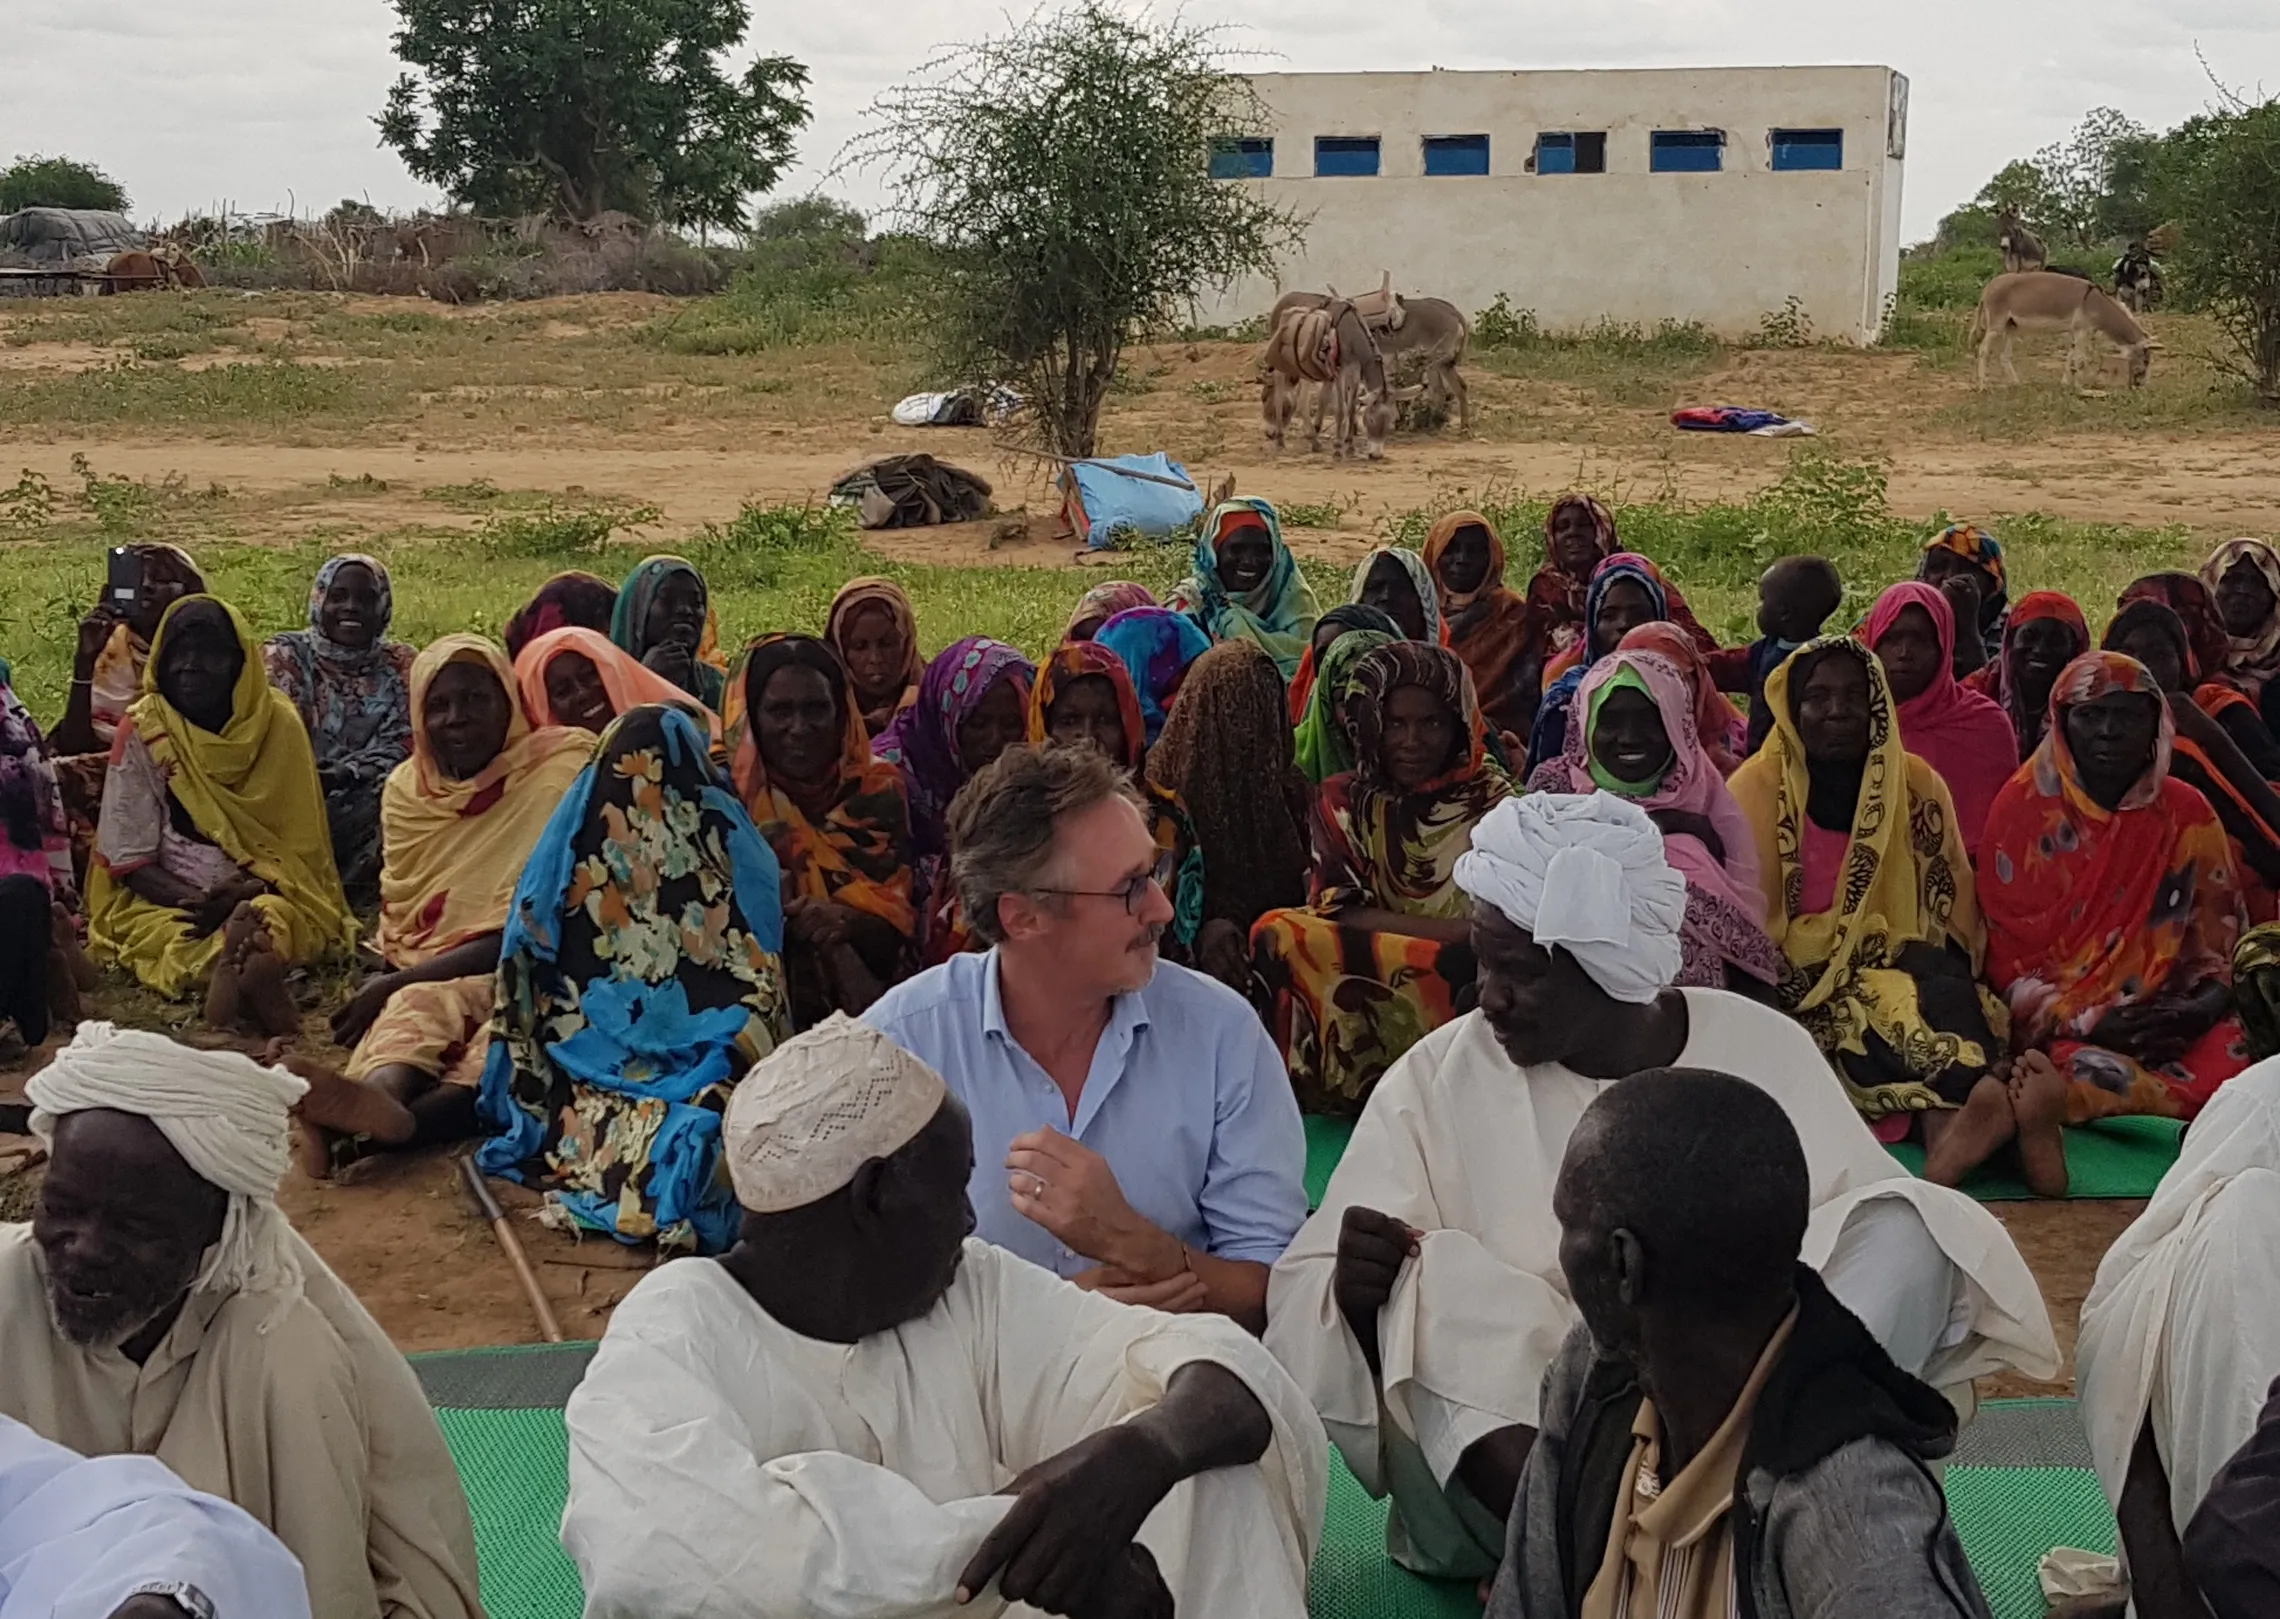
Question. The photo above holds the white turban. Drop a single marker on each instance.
(1585, 872)
(228, 1116)
(820, 1106)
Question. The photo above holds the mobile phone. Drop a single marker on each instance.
(122, 585)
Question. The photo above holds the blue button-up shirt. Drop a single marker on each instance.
(1186, 1100)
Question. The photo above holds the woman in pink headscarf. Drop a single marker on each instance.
(1635, 735)
(1963, 735)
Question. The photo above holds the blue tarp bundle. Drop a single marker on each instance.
(1103, 504)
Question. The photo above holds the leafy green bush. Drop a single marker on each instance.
(58, 182)
(1951, 280)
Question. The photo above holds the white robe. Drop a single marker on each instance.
(2183, 1322)
(724, 1467)
(298, 1409)
(1461, 1144)
(79, 1535)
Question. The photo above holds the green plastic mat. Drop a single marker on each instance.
(514, 1464)
(2123, 1157)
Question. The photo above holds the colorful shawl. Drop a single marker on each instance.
(2251, 660)
(251, 789)
(116, 680)
(848, 840)
(1997, 678)
(1905, 880)
(629, 682)
(1345, 616)
(574, 599)
(1377, 844)
(2090, 908)
(35, 839)
(1279, 614)
(1157, 646)
(1557, 599)
(1227, 753)
(1323, 742)
(1725, 906)
(1167, 816)
(1420, 582)
(629, 622)
(1491, 627)
(1981, 549)
(455, 848)
(923, 740)
(639, 977)
(1965, 737)
(1548, 740)
(888, 597)
(1723, 729)
(2207, 646)
(1102, 603)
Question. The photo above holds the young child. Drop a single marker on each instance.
(1795, 597)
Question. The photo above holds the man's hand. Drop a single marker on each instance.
(1183, 1294)
(1372, 1248)
(351, 1021)
(1066, 1546)
(1069, 1189)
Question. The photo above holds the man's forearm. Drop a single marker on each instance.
(1206, 1419)
(1491, 1466)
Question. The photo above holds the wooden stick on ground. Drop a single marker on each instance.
(488, 1206)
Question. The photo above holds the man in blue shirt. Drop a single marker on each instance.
(1134, 1130)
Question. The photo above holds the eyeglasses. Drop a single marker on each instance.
(1133, 890)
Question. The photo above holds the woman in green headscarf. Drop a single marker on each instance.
(1246, 585)
(1323, 744)
(664, 620)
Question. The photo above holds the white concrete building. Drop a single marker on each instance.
(1628, 195)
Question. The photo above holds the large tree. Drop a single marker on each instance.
(58, 182)
(2218, 177)
(575, 107)
(1063, 171)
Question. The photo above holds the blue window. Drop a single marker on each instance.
(1345, 154)
(1808, 148)
(1581, 151)
(1456, 154)
(1242, 159)
(1686, 151)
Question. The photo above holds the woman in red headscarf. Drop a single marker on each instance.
(2207, 643)
(2045, 633)
(1960, 734)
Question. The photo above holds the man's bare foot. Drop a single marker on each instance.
(1957, 1143)
(312, 1149)
(347, 1107)
(2038, 1101)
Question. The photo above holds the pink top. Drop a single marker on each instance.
(1820, 858)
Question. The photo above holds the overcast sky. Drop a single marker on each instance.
(266, 104)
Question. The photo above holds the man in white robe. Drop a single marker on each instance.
(159, 1304)
(1422, 1304)
(861, 1413)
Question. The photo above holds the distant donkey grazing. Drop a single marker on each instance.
(2022, 248)
(2045, 301)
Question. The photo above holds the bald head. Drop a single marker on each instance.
(1796, 596)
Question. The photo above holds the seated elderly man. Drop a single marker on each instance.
(160, 1304)
(1709, 1374)
(119, 1537)
(1134, 1130)
(2181, 1339)
(1422, 1304)
(859, 1411)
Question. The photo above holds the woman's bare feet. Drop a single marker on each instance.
(225, 996)
(265, 988)
(2038, 1102)
(1957, 1143)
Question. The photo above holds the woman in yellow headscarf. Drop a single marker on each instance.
(212, 864)
(458, 820)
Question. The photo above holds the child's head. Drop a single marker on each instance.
(1796, 596)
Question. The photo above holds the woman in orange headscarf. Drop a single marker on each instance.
(579, 677)
(873, 629)
(835, 818)
(1491, 627)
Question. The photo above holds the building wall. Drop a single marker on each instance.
(1628, 245)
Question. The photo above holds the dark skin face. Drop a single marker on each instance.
(676, 613)
(198, 669)
(2158, 652)
(123, 1224)
(575, 694)
(995, 725)
(466, 714)
(1420, 737)
(1604, 1268)
(1623, 607)
(1832, 711)
(2040, 648)
(350, 611)
(1388, 588)
(797, 722)
(875, 653)
(1539, 1003)
(1085, 711)
(1574, 541)
(1910, 653)
(1628, 737)
(2244, 601)
(163, 583)
(1965, 590)
(2113, 739)
(1794, 601)
(1464, 560)
(1245, 556)
(1326, 631)
(1937, 565)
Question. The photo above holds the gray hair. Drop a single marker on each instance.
(1002, 822)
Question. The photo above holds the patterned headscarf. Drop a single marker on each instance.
(1323, 742)
(923, 740)
(1549, 737)
(1279, 613)
(570, 600)
(1420, 581)
(2206, 644)
(1345, 616)
(629, 622)
(2033, 607)
(1982, 550)
(2253, 659)
(1157, 645)
(888, 597)
(1491, 626)
(1226, 752)
(1102, 603)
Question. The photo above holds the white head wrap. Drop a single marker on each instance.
(227, 1115)
(819, 1107)
(1585, 872)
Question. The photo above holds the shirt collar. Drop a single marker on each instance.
(1127, 1014)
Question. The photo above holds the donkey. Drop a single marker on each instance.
(2022, 248)
(1332, 348)
(2044, 301)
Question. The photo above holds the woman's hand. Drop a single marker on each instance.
(94, 634)
(350, 1023)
